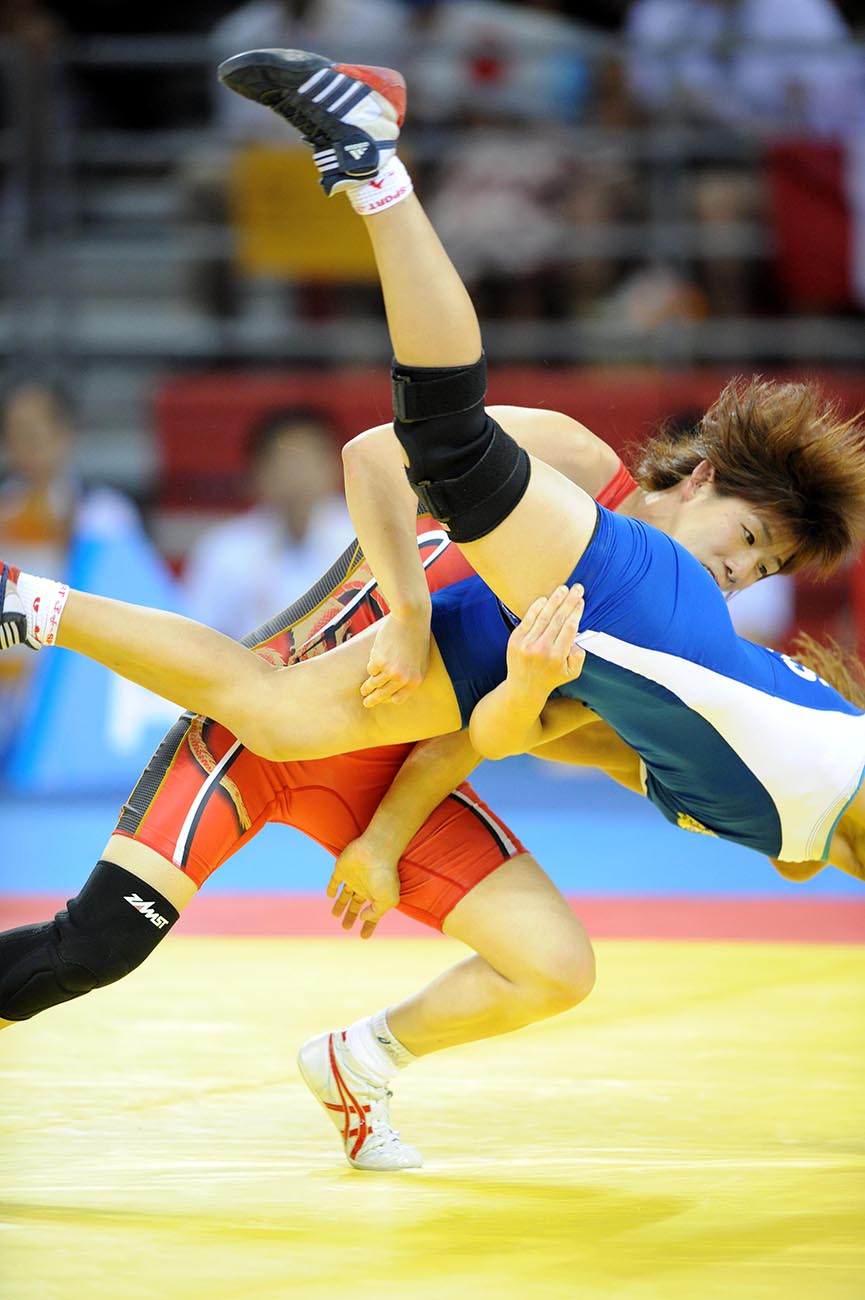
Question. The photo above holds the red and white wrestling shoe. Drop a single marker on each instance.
(13, 617)
(358, 1106)
(351, 115)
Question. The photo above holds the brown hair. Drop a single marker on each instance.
(786, 449)
(839, 667)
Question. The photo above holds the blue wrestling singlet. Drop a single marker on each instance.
(737, 740)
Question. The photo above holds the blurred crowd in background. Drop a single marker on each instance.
(656, 187)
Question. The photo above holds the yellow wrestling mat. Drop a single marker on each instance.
(696, 1130)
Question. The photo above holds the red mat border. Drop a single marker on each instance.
(767, 920)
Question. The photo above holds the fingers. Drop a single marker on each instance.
(345, 896)
(375, 681)
(386, 688)
(567, 621)
(528, 623)
(553, 621)
(369, 921)
(348, 903)
(355, 906)
(574, 662)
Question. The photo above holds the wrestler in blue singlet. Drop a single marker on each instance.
(737, 740)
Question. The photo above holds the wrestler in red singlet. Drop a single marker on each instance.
(203, 795)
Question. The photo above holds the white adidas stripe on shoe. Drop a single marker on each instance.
(13, 616)
(351, 115)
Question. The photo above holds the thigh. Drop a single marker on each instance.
(540, 543)
(519, 922)
(314, 709)
(461, 844)
(332, 800)
(200, 798)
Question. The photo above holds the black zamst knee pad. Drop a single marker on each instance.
(109, 929)
(464, 469)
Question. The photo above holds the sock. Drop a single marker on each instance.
(373, 1046)
(43, 600)
(389, 186)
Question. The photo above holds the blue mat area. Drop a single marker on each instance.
(590, 835)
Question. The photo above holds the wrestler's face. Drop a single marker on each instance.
(735, 541)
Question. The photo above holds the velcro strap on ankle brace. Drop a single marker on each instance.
(424, 394)
(474, 504)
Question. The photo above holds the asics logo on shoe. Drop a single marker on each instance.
(146, 910)
(357, 150)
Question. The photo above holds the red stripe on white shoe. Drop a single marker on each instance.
(363, 1130)
(386, 81)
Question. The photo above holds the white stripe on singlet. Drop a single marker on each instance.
(443, 542)
(436, 534)
(214, 778)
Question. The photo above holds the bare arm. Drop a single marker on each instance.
(366, 874)
(383, 510)
(518, 714)
(432, 770)
(595, 744)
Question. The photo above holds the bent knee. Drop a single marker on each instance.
(566, 976)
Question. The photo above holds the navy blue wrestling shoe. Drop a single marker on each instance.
(349, 114)
(13, 619)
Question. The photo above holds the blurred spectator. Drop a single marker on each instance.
(242, 572)
(512, 189)
(45, 505)
(756, 69)
(779, 65)
(36, 100)
(501, 213)
(522, 62)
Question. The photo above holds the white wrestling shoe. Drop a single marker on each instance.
(350, 114)
(357, 1106)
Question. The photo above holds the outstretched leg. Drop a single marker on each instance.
(309, 710)
(521, 525)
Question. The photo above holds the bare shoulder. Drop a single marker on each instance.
(561, 442)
